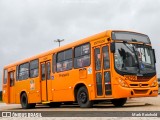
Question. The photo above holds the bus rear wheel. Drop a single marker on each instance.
(24, 102)
(119, 102)
(83, 98)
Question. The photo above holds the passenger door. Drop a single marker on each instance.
(46, 85)
(102, 71)
(11, 86)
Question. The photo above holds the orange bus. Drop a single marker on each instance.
(112, 65)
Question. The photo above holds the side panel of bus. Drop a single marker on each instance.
(65, 81)
(62, 86)
(29, 85)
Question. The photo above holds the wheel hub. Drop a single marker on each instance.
(83, 97)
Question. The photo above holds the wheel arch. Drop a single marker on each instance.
(22, 93)
(76, 88)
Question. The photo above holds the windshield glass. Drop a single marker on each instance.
(133, 58)
(146, 59)
(130, 37)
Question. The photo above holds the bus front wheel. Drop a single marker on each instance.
(119, 102)
(83, 98)
(24, 102)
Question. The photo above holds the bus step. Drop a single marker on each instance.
(45, 102)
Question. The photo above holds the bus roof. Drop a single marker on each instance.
(78, 42)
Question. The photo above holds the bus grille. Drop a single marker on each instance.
(142, 79)
(140, 91)
(139, 85)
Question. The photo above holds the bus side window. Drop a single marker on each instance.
(64, 60)
(5, 76)
(23, 72)
(34, 68)
(82, 56)
(69, 65)
(79, 63)
(86, 60)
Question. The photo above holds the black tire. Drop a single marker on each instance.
(32, 105)
(55, 104)
(119, 102)
(24, 101)
(83, 98)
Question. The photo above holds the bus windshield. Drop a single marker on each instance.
(134, 58)
(130, 37)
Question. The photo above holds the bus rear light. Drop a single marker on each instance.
(122, 83)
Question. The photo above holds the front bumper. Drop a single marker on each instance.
(123, 92)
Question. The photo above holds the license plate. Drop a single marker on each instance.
(130, 77)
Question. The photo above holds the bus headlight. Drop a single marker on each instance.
(154, 83)
(122, 83)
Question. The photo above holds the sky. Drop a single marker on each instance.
(29, 27)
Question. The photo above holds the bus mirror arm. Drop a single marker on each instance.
(112, 48)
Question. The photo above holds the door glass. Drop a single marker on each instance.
(97, 59)
(105, 57)
(107, 78)
(99, 83)
(43, 72)
(48, 70)
(11, 79)
(5, 77)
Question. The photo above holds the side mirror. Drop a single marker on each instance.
(154, 55)
(113, 47)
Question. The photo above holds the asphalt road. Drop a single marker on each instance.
(133, 104)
